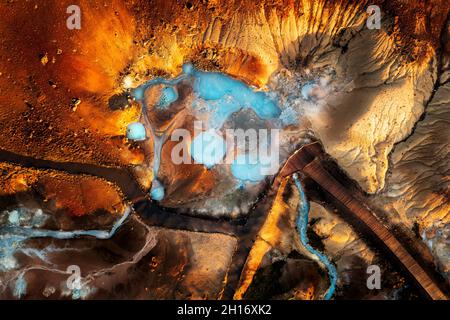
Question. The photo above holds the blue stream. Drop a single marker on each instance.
(302, 226)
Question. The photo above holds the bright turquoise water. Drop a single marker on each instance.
(208, 148)
(26, 232)
(219, 110)
(302, 226)
(247, 168)
(215, 86)
(307, 90)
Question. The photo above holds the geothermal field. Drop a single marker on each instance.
(219, 150)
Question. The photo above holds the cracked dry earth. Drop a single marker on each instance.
(381, 112)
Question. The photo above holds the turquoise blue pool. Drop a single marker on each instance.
(302, 227)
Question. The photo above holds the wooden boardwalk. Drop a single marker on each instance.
(308, 160)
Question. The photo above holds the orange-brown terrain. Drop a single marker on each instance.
(380, 113)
